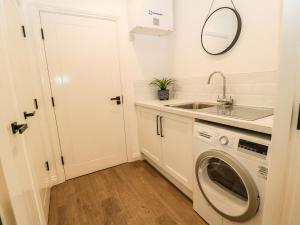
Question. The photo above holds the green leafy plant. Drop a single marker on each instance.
(163, 83)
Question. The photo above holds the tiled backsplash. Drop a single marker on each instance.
(253, 89)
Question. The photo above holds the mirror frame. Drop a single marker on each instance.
(239, 28)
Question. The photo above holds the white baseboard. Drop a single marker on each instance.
(135, 157)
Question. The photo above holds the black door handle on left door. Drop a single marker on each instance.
(26, 114)
(15, 127)
(161, 127)
(118, 99)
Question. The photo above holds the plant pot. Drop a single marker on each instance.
(163, 94)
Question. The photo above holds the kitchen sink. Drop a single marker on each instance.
(237, 112)
(193, 106)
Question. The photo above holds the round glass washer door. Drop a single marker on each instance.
(227, 186)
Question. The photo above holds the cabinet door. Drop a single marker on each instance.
(149, 134)
(177, 147)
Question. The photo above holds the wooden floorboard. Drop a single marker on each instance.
(129, 194)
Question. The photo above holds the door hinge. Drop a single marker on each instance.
(42, 33)
(23, 31)
(62, 160)
(47, 166)
(36, 105)
(52, 100)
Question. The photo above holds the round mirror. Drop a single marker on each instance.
(221, 31)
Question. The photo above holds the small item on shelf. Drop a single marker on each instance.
(163, 84)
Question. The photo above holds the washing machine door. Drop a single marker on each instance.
(227, 186)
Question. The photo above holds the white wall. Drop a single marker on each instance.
(255, 51)
(250, 67)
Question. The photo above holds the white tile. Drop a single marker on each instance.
(255, 89)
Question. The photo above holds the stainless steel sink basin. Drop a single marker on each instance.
(237, 112)
(193, 106)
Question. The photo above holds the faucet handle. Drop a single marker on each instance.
(226, 101)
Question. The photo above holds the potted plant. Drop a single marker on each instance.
(163, 84)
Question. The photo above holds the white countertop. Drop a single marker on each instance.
(263, 125)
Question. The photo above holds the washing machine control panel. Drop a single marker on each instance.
(226, 140)
(245, 142)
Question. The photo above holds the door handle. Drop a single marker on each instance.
(26, 114)
(298, 122)
(157, 128)
(15, 127)
(161, 129)
(118, 99)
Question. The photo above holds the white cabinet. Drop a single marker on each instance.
(166, 139)
(149, 136)
(150, 16)
(176, 147)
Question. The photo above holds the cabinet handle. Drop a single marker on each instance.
(157, 129)
(161, 130)
(298, 123)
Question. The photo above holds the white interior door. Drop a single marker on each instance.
(83, 64)
(23, 82)
(14, 161)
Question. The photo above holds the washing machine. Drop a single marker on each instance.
(230, 174)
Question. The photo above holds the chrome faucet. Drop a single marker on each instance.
(224, 100)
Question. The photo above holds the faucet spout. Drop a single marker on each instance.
(224, 99)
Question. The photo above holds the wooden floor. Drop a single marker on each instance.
(130, 194)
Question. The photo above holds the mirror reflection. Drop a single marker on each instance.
(221, 31)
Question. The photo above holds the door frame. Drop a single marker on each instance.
(280, 188)
(39, 55)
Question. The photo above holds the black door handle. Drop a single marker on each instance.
(26, 114)
(161, 129)
(118, 99)
(157, 129)
(15, 127)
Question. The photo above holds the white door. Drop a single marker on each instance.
(149, 134)
(177, 148)
(15, 165)
(24, 86)
(83, 64)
